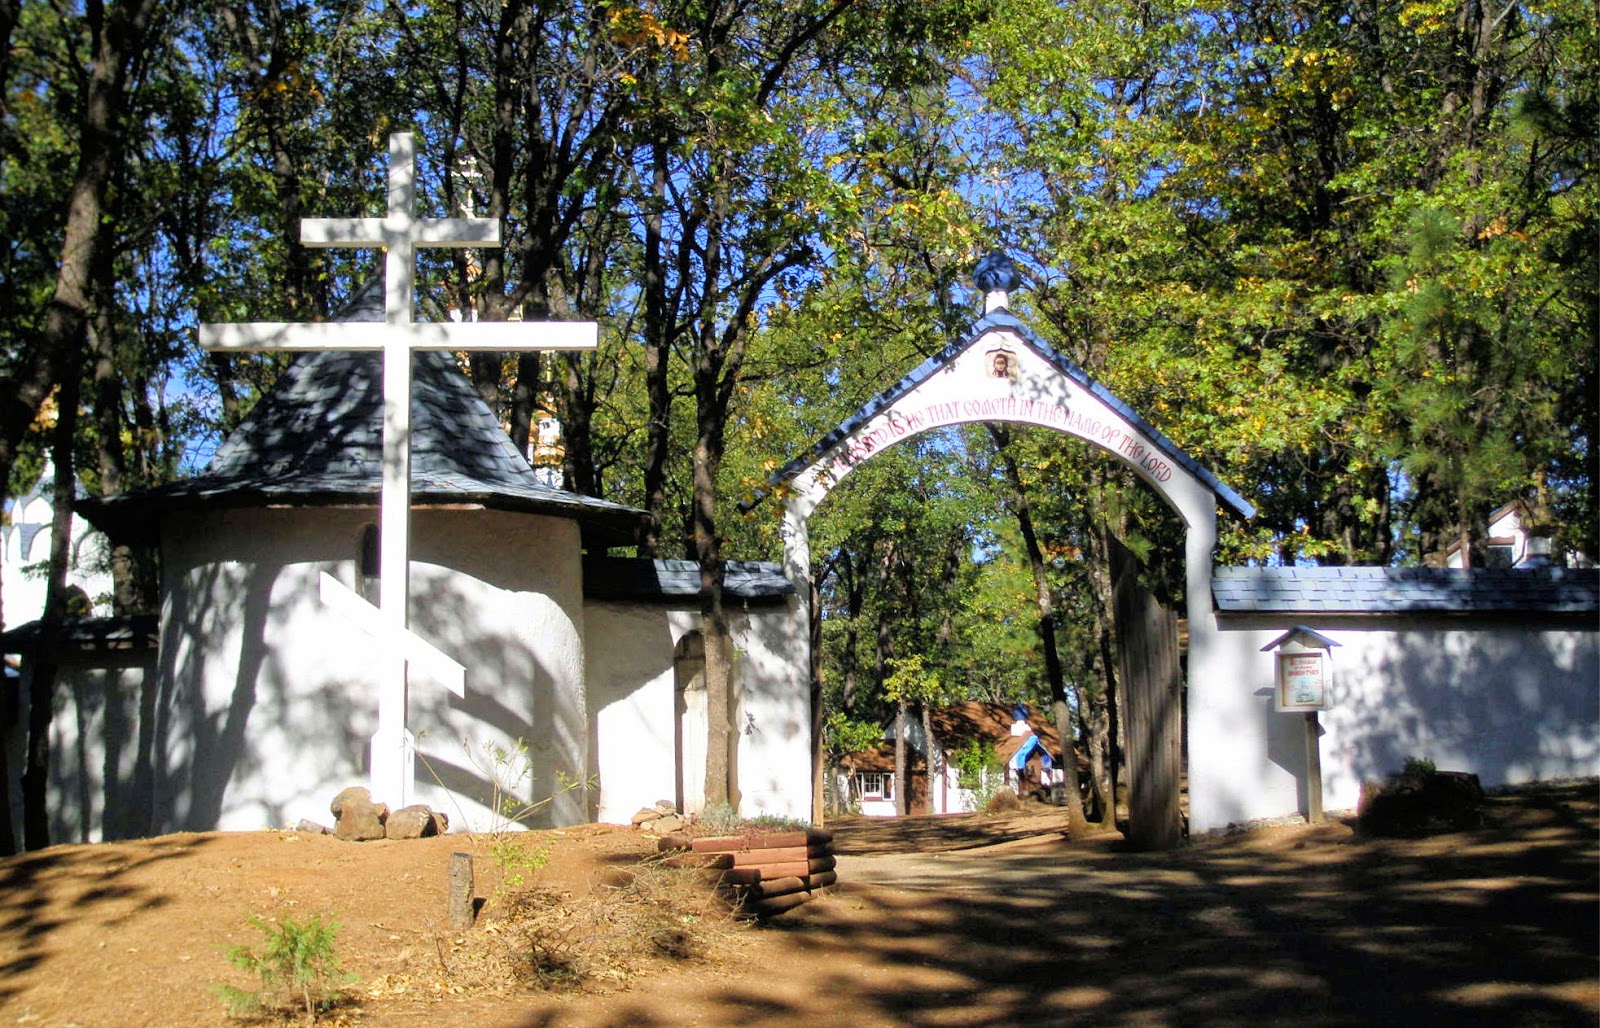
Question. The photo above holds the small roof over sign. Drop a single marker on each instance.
(1303, 635)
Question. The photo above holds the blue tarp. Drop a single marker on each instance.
(1019, 759)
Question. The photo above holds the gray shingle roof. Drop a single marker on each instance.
(1377, 590)
(639, 578)
(317, 439)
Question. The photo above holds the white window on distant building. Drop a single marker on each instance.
(877, 785)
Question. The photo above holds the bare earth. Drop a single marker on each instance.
(959, 921)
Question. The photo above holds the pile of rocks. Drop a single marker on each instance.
(661, 819)
(359, 819)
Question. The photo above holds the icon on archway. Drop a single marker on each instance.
(1002, 364)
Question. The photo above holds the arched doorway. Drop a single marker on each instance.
(689, 722)
(1001, 371)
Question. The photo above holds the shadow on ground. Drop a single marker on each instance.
(30, 912)
(1311, 927)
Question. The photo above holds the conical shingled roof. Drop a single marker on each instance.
(316, 439)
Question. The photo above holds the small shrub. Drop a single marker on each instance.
(722, 818)
(297, 967)
(1418, 768)
(776, 822)
(1004, 801)
(516, 859)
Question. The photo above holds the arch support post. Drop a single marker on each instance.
(806, 622)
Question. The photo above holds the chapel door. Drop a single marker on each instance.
(690, 724)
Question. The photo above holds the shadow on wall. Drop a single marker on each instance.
(1510, 706)
(468, 746)
(1286, 745)
(153, 753)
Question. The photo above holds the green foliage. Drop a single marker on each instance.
(296, 967)
(724, 819)
(911, 681)
(515, 857)
(972, 759)
(1418, 768)
(842, 735)
(979, 771)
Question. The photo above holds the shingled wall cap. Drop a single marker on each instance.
(1383, 590)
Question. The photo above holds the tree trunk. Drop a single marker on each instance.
(658, 331)
(1099, 731)
(44, 662)
(930, 753)
(719, 649)
(127, 593)
(117, 38)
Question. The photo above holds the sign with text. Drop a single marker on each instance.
(1302, 681)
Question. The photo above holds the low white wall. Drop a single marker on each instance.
(772, 715)
(632, 695)
(632, 692)
(90, 785)
(1512, 701)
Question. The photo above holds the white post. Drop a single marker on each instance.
(399, 232)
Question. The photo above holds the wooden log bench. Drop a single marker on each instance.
(763, 874)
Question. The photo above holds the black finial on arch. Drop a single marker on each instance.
(996, 274)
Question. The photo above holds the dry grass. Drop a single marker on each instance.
(627, 922)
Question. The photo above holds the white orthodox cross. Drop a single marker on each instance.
(399, 232)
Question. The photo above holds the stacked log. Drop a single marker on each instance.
(765, 874)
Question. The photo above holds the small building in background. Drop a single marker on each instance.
(1517, 539)
(1024, 745)
(25, 537)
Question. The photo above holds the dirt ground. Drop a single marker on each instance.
(960, 921)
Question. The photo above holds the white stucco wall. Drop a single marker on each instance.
(1512, 701)
(772, 714)
(90, 784)
(265, 700)
(632, 692)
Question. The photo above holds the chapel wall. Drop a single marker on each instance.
(503, 594)
(633, 693)
(267, 700)
(772, 713)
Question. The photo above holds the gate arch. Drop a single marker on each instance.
(999, 370)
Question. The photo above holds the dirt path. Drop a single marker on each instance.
(1292, 925)
(1296, 926)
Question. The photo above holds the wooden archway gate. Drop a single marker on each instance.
(1000, 371)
